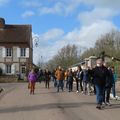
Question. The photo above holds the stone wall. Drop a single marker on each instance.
(8, 78)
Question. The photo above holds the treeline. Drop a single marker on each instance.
(71, 54)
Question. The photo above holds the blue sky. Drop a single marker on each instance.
(60, 22)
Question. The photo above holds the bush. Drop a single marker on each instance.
(1, 72)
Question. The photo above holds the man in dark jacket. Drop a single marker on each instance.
(108, 85)
(100, 74)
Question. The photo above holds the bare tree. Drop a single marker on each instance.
(109, 43)
(65, 57)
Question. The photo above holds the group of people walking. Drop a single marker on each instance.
(98, 80)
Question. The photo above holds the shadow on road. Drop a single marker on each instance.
(44, 106)
(46, 93)
(114, 106)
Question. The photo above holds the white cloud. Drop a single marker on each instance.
(63, 7)
(87, 35)
(114, 4)
(71, 6)
(96, 14)
(28, 14)
(67, 7)
(3, 2)
(52, 34)
(57, 8)
(31, 4)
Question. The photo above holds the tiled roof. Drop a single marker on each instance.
(16, 34)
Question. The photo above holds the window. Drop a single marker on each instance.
(8, 69)
(8, 52)
(22, 52)
(23, 69)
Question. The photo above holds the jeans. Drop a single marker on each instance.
(84, 87)
(79, 84)
(60, 84)
(55, 82)
(47, 83)
(107, 94)
(67, 84)
(100, 89)
(113, 90)
(70, 83)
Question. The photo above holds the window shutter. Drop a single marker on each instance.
(18, 52)
(3, 52)
(27, 52)
(13, 69)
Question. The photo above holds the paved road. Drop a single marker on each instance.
(7, 87)
(49, 105)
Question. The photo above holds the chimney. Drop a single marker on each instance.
(2, 23)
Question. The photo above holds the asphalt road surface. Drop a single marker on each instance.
(47, 104)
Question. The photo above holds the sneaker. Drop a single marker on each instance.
(114, 98)
(82, 92)
(89, 94)
(103, 104)
(98, 107)
(77, 91)
(107, 103)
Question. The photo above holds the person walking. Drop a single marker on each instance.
(86, 80)
(108, 85)
(100, 74)
(32, 78)
(54, 78)
(47, 78)
(70, 80)
(59, 76)
(114, 82)
(79, 78)
(66, 78)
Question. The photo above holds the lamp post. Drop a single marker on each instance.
(36, 39)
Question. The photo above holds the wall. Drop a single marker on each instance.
(8, 78)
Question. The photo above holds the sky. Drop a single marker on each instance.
(56, 23)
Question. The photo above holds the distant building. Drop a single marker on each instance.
(16, 50)
(91, 61)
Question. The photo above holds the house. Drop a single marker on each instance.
(16, 50)
(75, 66)
(91, 61)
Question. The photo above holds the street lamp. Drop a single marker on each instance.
(36, 39)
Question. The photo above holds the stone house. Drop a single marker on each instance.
(16, 50)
